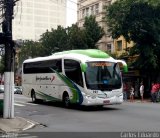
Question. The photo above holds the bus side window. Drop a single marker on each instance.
(59, 66)
(48, 66)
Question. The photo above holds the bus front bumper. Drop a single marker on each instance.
(89, 101)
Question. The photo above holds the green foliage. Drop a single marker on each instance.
(30, 49)
(54, 41)
(73, 37)
(77, 39)
(62, 39)
(138, 21)
(93, 31)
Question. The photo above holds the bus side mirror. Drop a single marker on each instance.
(125, 69)
(83, 67)
(123, 65)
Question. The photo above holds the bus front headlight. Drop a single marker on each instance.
(88, 96)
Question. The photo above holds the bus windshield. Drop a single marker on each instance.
(103, 76)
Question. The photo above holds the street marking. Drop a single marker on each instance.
(26, 103)
(22, 104)
(16, 104)
(31, 103)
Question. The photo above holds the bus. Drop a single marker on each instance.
(85, 77)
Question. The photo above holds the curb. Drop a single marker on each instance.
(16, 124)
(139, 101)
(30, 126)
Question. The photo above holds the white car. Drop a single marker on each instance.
(1, 88)
(17, 90)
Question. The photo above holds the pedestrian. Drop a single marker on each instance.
(124, 91)
(158, 95)
(131, 94)
(141, 91)
(154, 92)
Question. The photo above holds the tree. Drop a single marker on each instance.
(73, 37)
(138, 21)
(30, 49)
(54, 41)
(77, 38)
(93, 31)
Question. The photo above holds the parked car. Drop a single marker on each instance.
(17, 90)
(1, 88)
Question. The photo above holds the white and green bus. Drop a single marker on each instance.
(85, 77)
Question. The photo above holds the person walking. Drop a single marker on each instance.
(141, 91)
(132, 94)
(154, 91)
(124, 91)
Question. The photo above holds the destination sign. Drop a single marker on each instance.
(99, 64)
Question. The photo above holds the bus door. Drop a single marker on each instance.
(73, 71)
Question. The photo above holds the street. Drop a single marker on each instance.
(53, 117)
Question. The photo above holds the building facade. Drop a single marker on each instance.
(33, 17)
(96, 8)
(121, 46)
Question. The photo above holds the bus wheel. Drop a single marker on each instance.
(66, 100)
(33, 96)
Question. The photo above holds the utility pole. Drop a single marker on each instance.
(8, 110)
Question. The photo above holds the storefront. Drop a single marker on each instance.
(132, 78)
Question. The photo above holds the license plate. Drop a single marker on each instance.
(106, 101)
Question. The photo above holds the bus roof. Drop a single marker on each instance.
(83, 55)
(93, 53)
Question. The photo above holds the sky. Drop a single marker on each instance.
(71, 12)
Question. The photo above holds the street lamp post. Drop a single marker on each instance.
(8, 111)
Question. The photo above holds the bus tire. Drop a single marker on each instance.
(66, 100)
(33, 96)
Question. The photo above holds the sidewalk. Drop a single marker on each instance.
(139, 101)
(16, 124)
(144, 101)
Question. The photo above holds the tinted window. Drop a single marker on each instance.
(102, 76)
(48, 66)
(73, 71)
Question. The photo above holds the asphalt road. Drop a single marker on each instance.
(127, 117)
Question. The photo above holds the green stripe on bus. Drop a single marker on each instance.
(69, 83)
(71, 86)
(125, 68)
(46, 97)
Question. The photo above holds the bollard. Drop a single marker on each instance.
(1, 107)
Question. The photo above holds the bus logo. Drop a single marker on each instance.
(46, 78)
(53, 78)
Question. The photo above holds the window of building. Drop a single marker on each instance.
(97, 8)
(109, 47)
(119, 45)
(92, 10)
(83, 12)
(109, 2)
(87, 11)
